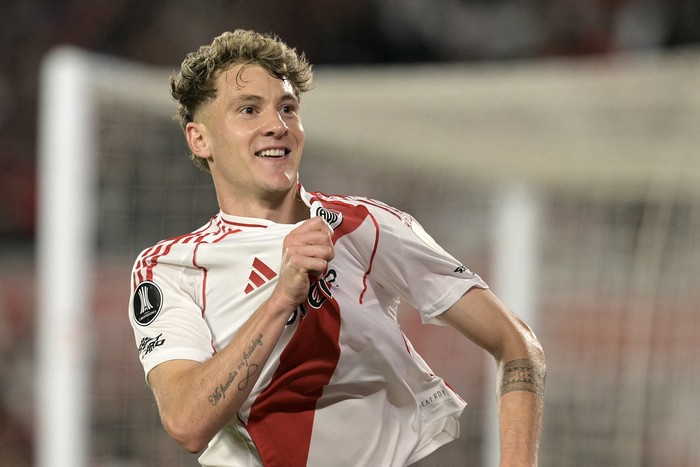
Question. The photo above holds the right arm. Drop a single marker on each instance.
(196, 400)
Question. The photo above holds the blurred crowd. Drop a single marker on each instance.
(329, 31)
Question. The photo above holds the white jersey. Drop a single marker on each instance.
(343, 386)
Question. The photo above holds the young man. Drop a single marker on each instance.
(269, 335)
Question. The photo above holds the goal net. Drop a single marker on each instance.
(571, 188)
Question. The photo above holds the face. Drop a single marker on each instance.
(252, 136)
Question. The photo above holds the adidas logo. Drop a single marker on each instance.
(260, 274)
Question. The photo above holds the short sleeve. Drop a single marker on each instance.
(412, 265)
(165, 317)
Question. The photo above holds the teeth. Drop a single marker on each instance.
(272, 153)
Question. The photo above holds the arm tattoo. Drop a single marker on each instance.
(245, 363)
(522, 375)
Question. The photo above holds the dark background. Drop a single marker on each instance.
(329, 32)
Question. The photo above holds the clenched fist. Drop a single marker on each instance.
(306, 251)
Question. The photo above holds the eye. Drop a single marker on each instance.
(247, 110)
(288, 109)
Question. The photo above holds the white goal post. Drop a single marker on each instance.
(72, 83)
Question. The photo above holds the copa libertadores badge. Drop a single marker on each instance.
(148, 301)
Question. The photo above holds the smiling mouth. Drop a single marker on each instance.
(272, 153)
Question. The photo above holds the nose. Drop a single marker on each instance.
(275, 125)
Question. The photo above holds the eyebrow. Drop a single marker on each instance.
(255, 98)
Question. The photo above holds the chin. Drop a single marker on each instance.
(282, 182)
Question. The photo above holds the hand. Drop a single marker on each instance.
(306, 251)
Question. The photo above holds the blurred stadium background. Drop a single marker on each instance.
(441, 108)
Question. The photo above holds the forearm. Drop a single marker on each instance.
(520, 408)
(481, 317)
(198, 401)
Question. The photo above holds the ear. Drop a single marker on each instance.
(197, 140)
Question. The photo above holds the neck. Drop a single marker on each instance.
(288, 209)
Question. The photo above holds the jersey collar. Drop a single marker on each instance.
(229, 222)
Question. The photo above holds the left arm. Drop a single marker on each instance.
(486, 321)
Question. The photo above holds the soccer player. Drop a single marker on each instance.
(269, 335)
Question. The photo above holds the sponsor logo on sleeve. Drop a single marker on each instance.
(148, 344)
(148, 300)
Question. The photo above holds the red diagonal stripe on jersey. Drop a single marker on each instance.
(351, 222)
(282, 416)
